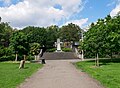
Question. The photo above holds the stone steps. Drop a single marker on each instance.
(60, 56)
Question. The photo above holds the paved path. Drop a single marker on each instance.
(60, 74)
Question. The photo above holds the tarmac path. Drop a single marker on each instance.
(60, 74)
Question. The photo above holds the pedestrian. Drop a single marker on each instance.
(42, 51)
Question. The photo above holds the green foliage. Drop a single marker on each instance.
(6, 54)
(67, 49)
(70, 32)
(36, 35)
(52, 35)
(29, 58)
(11, 76)
(51, 50)
(5, 34)
(43, 36)
(19, 42)
(5, 51)
(7, 58)
(103, 37)
(34, 48)
(107, 73)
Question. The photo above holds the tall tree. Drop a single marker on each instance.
(103, 37)
(70, 32)
(5, 34)
(19, 43)
(36, 35)
(52, 35)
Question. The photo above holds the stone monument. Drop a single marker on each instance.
(58, 45)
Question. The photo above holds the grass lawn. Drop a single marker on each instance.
(11, 76)
(108, 73)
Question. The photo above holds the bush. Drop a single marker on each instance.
(67, 49)
(7, 58)
(5, 51)
(51, 50)
(29, 58)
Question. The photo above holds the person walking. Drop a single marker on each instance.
(42, 51)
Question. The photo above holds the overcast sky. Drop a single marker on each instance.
(22, 13)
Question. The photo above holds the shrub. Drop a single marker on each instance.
(29, 58)
(67, 49)
(51, 50)
(7, 58)
(5, 51)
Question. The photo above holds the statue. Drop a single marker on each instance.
(58, 45)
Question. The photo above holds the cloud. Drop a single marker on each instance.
(80, 22)
(116, 9)
(39, 12)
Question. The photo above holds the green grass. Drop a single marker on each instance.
(108, 73)
(11, 76)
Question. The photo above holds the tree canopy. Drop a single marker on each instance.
(103, 37)
(19, 43)
(70, 32)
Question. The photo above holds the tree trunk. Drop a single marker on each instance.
(16, 55)
(35, 57)
(111, 56)
(97, 60)
(82, 55)
(25, 57)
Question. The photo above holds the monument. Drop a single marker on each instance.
(58, 45)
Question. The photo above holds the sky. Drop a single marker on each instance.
(43, 13)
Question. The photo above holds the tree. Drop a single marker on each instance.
(36, 35)
(52, 35)
(43, 36)
(70, 32)
(34, 48)
(19, 43)
(5, 34)
(103, 38)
